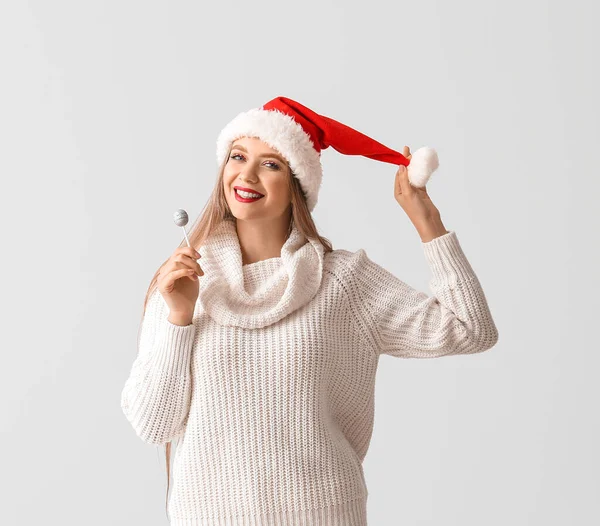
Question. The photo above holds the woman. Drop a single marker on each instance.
(258, 353)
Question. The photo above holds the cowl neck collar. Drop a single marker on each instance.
(260, 293)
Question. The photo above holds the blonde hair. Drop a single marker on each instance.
(217, 210)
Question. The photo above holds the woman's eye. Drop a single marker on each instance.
(275, 165)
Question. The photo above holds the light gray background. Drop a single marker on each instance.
(109, 116)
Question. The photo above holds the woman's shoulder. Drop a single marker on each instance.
(347, 263)
(355, 269)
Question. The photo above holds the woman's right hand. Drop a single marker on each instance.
(178, 283)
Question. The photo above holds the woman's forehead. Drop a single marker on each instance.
(258, 145)
(254, 142)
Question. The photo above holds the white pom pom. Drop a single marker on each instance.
(423, 163)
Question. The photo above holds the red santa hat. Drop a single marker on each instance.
(299, 134)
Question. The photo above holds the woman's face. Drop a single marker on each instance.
(255, 166)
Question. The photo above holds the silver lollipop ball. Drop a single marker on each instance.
(181, 217)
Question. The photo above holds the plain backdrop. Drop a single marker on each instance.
(109, 113)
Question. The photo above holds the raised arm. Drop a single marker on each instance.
(404, 322)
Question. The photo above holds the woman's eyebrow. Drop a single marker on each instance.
(262, 155)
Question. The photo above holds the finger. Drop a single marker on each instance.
(402, 177)
(407, 188)
(168, 281)
(397, 185)
(195, 255)
(192, 263)
(190, 251)
(182, 259)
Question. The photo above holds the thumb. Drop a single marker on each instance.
(402, 184)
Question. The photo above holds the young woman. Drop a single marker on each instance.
(258, 353)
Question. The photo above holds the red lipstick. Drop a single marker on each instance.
(245, 199)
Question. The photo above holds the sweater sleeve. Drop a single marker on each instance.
(407, 323)
(156, 396)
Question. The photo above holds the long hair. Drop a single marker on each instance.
(216, 210)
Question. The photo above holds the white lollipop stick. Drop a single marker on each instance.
(186, 238)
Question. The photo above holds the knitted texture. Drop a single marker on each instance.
(273, 422)
(280, 285)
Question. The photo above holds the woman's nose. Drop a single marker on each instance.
(248, 175)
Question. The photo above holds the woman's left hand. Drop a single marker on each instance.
(417, 204)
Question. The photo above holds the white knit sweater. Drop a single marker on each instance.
(270, 391)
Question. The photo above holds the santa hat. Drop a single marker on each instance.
(299, 134)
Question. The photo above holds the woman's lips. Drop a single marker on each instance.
(244, 199)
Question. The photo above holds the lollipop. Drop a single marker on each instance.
(181, 219)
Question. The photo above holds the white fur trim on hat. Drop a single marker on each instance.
(281, 132)
(423, 163)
